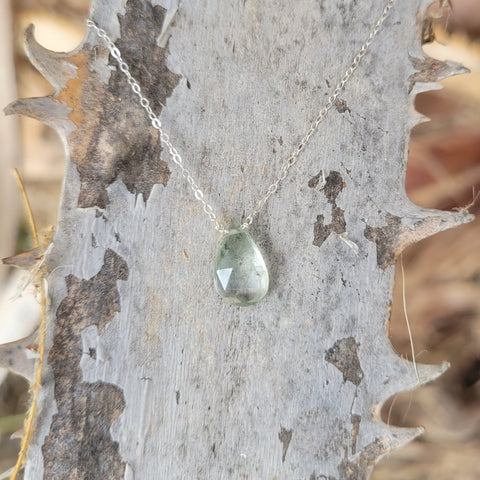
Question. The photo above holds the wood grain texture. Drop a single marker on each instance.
(193, 388)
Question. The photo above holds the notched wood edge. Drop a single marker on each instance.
(48, 110)
(430, 70)
(14, 355)
(395, 236)
(52, 65)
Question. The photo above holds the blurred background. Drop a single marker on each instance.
(442, 273)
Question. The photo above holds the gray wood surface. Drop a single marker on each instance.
(151, 375)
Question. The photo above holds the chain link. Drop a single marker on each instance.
(289, 162)
(157, 124)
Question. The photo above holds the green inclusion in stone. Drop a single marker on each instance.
(241, 275)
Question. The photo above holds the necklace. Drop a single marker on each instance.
(240, 273)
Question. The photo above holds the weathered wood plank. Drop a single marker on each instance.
(151, 375)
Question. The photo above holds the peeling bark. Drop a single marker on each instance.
(334, 184)
(344, 356)
(385, 238)
(79, 444)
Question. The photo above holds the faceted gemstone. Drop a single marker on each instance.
(241, 275)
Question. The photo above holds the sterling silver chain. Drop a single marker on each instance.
(289, 162)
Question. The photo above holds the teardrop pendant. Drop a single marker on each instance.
(241, 275)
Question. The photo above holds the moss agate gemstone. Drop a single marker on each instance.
(241, 275)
